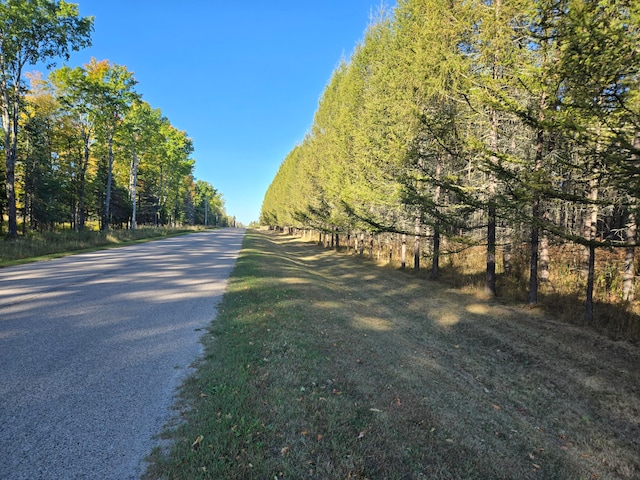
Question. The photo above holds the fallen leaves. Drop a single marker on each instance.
(535, 466)
(198, 441)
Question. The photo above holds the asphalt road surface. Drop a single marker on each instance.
(93, 347)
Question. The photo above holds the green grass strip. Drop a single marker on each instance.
(320, 365)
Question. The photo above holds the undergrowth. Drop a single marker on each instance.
(36, 245)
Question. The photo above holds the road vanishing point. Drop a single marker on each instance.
(93, 347)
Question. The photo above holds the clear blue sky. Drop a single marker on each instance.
(242, 78)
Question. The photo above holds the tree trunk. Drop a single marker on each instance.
(11, 194)
(506, 253)
(80, 208)
(590, 279)
(107, 202)
(361, 244)
(403, 252)
(133, 188)
(535, 221)
(416, 244)
(533, 260)
(435, 263)
(631, 234)
(490, 277)
(544, 259)
(84, 164)
(592, 224)
(10, 126)
(629, 259)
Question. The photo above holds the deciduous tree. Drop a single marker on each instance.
(31, 32)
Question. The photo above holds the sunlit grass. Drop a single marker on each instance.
(322, 366)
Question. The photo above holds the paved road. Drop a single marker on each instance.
(92, 348)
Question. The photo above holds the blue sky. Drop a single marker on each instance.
(242, 78)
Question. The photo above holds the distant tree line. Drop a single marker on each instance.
(81, 145)
(508, 124)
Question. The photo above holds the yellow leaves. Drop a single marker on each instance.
(97, 68)
(198, 441)
(307, 433)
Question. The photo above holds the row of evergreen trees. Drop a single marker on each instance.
(486, 122)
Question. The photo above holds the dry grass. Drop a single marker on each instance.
(41, 246)
(562, 297)
(325, 366)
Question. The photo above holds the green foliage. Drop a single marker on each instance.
(511, 118)
(30, 32)
(82, 145)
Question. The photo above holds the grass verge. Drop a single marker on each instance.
(325, 366)
(48, 245)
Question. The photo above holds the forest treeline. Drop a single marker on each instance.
(512, 126)
(81, 146)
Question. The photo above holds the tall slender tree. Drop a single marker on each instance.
(112, 91)
(31, 32)
(78, 104)
(141, 137)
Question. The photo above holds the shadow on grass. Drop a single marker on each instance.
(322, 365)
(617, 320)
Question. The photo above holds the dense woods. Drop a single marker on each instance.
(507, 127)
(81, 147)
